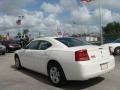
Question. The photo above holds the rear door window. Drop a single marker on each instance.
(33, 45)
(44, 45)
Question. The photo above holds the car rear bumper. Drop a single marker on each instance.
(89, 69)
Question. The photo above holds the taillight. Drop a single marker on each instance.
(81, 55)
(110, 50)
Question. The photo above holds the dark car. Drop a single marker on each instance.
(2, 49)
(11, 45)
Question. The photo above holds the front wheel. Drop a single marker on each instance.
(56, 75)
(17, 63)
(117, 51)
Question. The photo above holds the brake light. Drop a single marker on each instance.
(11, 46)
(110, 50)
(81, 55)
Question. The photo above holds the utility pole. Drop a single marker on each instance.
(101, 32)
(19, 24)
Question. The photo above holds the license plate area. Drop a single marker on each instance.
(104, 66)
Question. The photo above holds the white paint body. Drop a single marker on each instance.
(113, 46)
(37, 60)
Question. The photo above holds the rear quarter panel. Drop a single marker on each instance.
(64, 57)
(61, 55)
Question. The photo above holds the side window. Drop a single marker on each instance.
(33, 45)
(44, 45)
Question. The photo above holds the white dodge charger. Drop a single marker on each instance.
(65, 58)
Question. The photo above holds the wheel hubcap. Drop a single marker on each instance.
(55, 75)
(16, 62)
(118, 51)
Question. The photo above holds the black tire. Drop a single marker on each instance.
(3, 53)
(17, 63)
(56, 74)
(117, 51)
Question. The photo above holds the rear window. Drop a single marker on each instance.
(72, 42)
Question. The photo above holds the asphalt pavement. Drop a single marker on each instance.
(12, 79)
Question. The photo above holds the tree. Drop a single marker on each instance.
(111, 31)
(25, 32)
(18, 34)
(112, 28)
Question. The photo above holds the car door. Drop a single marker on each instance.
(40, 56)
(28, 55)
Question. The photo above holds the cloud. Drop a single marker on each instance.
(11, 6)
(50, 8)
(86, 18)
(116, 17)
(51, 21)
(37, 22)
(33, 20)
(30, 19)
(106, 16)
(111, 4)
(82, 14)
(75, 29)
(69, 4)
(7, 21)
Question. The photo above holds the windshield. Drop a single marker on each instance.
(72, 42)
(117, 41)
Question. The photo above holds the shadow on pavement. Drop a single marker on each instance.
(71, 85)
(35, 75)
(117, 58)
(77, 85)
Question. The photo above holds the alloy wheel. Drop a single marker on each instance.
(55, 75)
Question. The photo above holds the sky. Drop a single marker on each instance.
(50, 16)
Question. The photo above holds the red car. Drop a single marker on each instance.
(11, 45)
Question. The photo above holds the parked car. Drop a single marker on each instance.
(115, 46)
(2, 49)
(11, 45)
(65, 58)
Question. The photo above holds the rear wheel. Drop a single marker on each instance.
(17, 63)
(117, 51)
(56, 74)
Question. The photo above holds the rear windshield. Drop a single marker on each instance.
(72, 42)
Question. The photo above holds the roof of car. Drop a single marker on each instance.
(47, 38)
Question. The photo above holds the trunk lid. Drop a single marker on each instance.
(97, 53)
